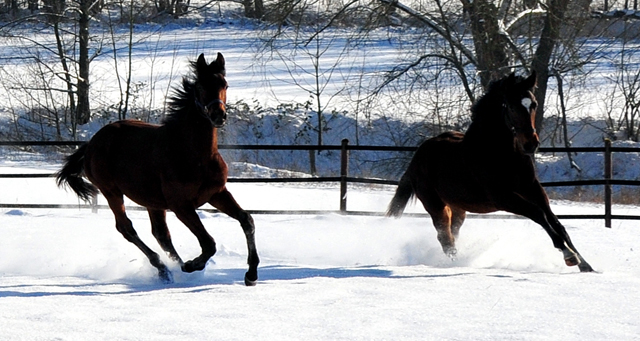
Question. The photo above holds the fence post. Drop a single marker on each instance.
(344, 171)
(94, 203)
(607, 183)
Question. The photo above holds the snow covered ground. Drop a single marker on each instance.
(67, 274)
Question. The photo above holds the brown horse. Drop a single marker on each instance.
(488, 169)
(173, 166)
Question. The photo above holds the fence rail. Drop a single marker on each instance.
(344, 179)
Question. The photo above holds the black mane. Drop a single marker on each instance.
(181, 101)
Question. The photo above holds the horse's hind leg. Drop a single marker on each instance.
(225, 202)
(189, 217)
(125, 227)
(160, 231)
(442, 222)
(441, 216)
(457, 219)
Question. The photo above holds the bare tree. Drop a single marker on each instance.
(496, 29)
(304, 51)
(623, 109)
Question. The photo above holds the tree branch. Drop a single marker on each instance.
(435, 26)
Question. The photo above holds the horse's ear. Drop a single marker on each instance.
(201, 61)
(201, 66)
(220, 61)
(531, 81)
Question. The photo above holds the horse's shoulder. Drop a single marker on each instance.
(133, 124)
(126, 127)
(447, 143)
(448, 136)
(451, 135)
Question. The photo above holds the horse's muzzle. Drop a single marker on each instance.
(218, 118)
(215, 111)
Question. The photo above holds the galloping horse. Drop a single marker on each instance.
(488, 169)
(173, 166)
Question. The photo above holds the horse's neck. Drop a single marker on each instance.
(210, 142)
(488, 130)
(201, 139)
(214, 140)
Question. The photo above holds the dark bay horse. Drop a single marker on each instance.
(488, 169)
(173, 166)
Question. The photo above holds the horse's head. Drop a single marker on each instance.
(520, 111)
(211, 89)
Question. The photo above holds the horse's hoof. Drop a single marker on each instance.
(192, 266)
(250, 282)
(452, 253)
(166, 277)
(585, 267)
(572, 260)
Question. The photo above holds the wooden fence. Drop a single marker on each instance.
(344, 179)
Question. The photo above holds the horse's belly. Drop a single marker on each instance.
(469, 200)
(464, 192)
(145, 194)
(475, 207)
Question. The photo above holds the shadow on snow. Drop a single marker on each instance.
(204, 282)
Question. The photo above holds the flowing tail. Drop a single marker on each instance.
(71, 175)
(404, 192)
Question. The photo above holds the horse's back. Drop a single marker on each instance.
(117, 144)
(120, 160)
(442, 175)
(439, 155)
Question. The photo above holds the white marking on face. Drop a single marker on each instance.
(526, 103)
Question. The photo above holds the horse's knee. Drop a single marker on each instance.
(246, 221)
(127, 231)
(209, 247)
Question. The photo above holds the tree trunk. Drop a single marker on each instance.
(12, 6)
(259, 9)
(548, 40)
(491, 55)
(67, 75)
(83, 112)
(32, 5)
(249, 10)
(55, 9)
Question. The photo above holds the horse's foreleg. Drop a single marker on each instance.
(125, 227)
(225, 202)
(189, 217)
(571, 256)
(539, 212)
(160, 231)
(537, 195)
